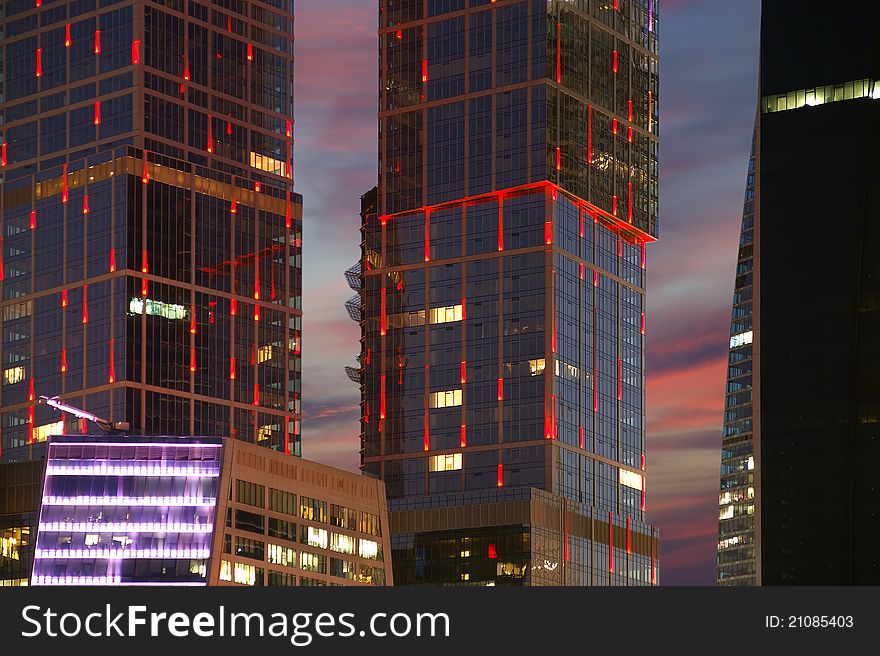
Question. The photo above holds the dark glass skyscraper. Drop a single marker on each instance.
(502, 290)
(813, 413)
(151, 267)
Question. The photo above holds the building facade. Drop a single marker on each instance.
(20, 487)
(501, 291)
(815, 396)
(736, 501)
(203, 511)
(151, 238)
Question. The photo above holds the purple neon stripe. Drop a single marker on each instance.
(651, 15)
(104, 580)
(148, 527)
(129, 501)
(128, 470)
(150, 444)
(118, 554)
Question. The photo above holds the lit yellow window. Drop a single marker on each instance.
(14, 375)
(536, 367)
(445, 462)
(447, 399)
(446, 314)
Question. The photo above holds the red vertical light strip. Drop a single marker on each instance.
(619, 246)
(500, 222)
(287, 221)
(650, 107)
(233, 307)
(3, 154)
(233, 207)
(210, 134)
(628, 535)
(589, 134)
(558, 53)
(63, 298)
(462, 442)
(382, 323)
(548, 232)
(192, 321)
(500, 389)
(463, 372)
(629, 134)
(64, 183)
(644, 481)
(228, 128)
(288, 131)
(614, 204)
(427, 236)
(97, 112)
(382, 397)
(286, 438)
(97, 42)
(595, 278)
(256, 312)
(112, 260)
(111, 378)
(145, 175)
(643, 255)
(643, 323)
(629, 110)
(250, 52)
(192, 359)
(581, 436)
(614, 64)
(232, 368)
(31, 391)
(463, 308)
(500, 475)
(144, 264)
(424, 70)
(67, 35)
(85, 203)
(33, 219)
(83, 427)
(145, 287)
(581, 225)
(427, 439)
(256, 394)
(558, 158)
(581, 270)
(185, 69)
(39, 62)
(85, 307)
(619, 383)
(553, 340)
(63, 360)
(614, 126)
(611, 542)
(287, 170)
(136, 52)
(31, 425)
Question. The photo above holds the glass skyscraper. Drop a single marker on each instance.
(151, 238)
(801, 446)
(501, 290)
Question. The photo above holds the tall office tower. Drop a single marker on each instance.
(736, 514)
(815, 353)
(503, 281)
(151, 267)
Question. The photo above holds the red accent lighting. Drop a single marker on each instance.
(463, 438)
(33, 219)
(112, 377)
(39, 62)
(136, 52)
(97, 42)
(500, 389)
(493, 551)
(500, 475)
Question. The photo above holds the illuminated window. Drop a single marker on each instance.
(14, 375)
(268, 164)
(158, 309)
(245, 574)
(17, 310)
(566, 370)
(446, 462)
(342, 543)
(447, 399)
(781, 102)
(630, 479)
(225, 570)
(44, 431)
(310, 562)
(536, 367)
(265, 432)
(264, 353)
(446, 314)
(314, 537)
(741, 340)
(369, 549)
(11, 541)
(313, 509)
(278, 555)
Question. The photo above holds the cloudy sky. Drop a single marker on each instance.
(708, 94)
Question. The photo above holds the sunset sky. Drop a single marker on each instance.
(708, 92)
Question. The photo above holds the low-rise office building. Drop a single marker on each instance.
(204, 511)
